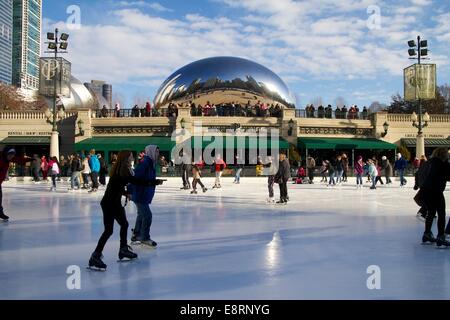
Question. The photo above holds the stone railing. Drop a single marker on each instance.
(29, 115)
(407, 118)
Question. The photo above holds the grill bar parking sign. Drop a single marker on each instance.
(420, 82)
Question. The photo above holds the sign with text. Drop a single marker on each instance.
(51, 68)
(420, 82)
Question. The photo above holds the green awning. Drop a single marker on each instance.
(429, 143)
(238, 142)
(344, 144)
(121, 143)
(15, 141)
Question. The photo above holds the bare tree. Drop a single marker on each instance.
(12, 99)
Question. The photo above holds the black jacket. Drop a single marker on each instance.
(284, 172)
(438, 175)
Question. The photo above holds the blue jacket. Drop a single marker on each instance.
(400, 164)
(144, 170)
(94, 164)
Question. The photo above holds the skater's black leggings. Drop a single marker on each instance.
(185, 177)
(435, 202)
(1, 199)
(194, 184)
(111, 213)
(283, 190)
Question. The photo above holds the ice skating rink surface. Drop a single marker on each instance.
(225, 244)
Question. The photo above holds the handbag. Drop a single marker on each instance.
(419, 198)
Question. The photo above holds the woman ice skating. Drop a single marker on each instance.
(142, 196)
(345, 165)
(85, 173)
(239, 167)
(196, 176)
(373, 172)
(54, 169)
(103, 170)
(271, 178)
(310, 166)
(219, 166)
(359, 171)
(433, 177)
(120, 176)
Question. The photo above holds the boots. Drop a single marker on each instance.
(441, 242)
(96, 262)
(428, 238)
(126, 252)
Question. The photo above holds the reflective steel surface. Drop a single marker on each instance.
(224, 80)
(80, 97)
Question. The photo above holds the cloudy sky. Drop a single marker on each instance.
(322, 49)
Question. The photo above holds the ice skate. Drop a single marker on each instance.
(441, 243)
(204, 190)
(149, 243)
(134, 238)
(428, 238)
(282, 201)
(194, 192)
(127, 253)
(96, 263)
(4, 217)
(271, 200)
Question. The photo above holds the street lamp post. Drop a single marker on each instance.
(55, 45)
(418, 51)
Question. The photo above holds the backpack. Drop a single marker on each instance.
(423, 173)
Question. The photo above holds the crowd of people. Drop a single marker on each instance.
(137, 181)
(352, 113)
(235, 109)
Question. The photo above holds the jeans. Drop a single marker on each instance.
(143, 221)
(111, 213)
(331, 175)
(270, 184)
(401, 173)
(237, 178)
(374, 181)
(339, 176)
(359, 179)
(85, 180)
(388, 180)
(75, 178)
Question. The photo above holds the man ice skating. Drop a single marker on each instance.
(282, 178)
(120, 176)
(271, 178)
(142, 196)
(400, 166)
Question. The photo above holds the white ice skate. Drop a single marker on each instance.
(271, 200)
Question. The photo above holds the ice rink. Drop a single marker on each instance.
(225, 244)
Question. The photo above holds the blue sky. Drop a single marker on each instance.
(325, 49)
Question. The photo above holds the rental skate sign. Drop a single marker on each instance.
(420, 82)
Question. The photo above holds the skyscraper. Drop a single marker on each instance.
(102, 91)
(27, 21)
(6, 25)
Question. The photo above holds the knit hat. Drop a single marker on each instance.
(384, 158)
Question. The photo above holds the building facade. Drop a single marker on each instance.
(6, 36)
(27, 24)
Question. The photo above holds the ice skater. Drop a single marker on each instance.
(239, 167)
(282, 178)
(400, 165)
(272, 171)
(219, 166)
(196, 176)
(54, 171)
(359, 171)
(387, 168)
(143, 196)
(120, 176)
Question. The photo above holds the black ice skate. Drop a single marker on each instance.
(96, 263)
(134, 238)
(194, 192)
(127, 253)
(441, 243)
(428, 238)
(4, 217)
(282, 201)
(204, 190)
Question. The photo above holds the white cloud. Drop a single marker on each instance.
(144, 4)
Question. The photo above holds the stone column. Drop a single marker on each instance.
(420, 146)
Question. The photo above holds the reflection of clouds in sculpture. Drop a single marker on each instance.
(224, 74)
